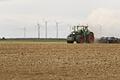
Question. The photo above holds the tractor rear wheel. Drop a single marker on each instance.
(90, 37)
(79, 39)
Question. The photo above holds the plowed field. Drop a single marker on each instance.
(21, 61)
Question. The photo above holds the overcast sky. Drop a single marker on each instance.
(102, 16)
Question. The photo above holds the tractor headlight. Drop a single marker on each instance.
(73, 33)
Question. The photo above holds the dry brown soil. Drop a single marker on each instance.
(49, 61)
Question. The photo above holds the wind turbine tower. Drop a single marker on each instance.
(24, 32)
(56, 29)
(46, 23)
(38, 30)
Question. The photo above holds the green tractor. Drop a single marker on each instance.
(81, 34)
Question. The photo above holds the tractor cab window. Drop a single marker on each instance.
(86, 28)
(80, 28)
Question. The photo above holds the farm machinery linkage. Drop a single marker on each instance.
(109, 40)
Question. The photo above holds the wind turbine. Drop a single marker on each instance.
(38, 30)
(57, 24)
(24, 32)
(46, 25)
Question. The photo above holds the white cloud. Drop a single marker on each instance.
(109, 19)
(104, 16)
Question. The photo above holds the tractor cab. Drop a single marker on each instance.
(83, 29)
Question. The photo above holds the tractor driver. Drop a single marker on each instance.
(86, 28)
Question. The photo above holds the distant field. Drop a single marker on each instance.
(46, 61)
(32, 40)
